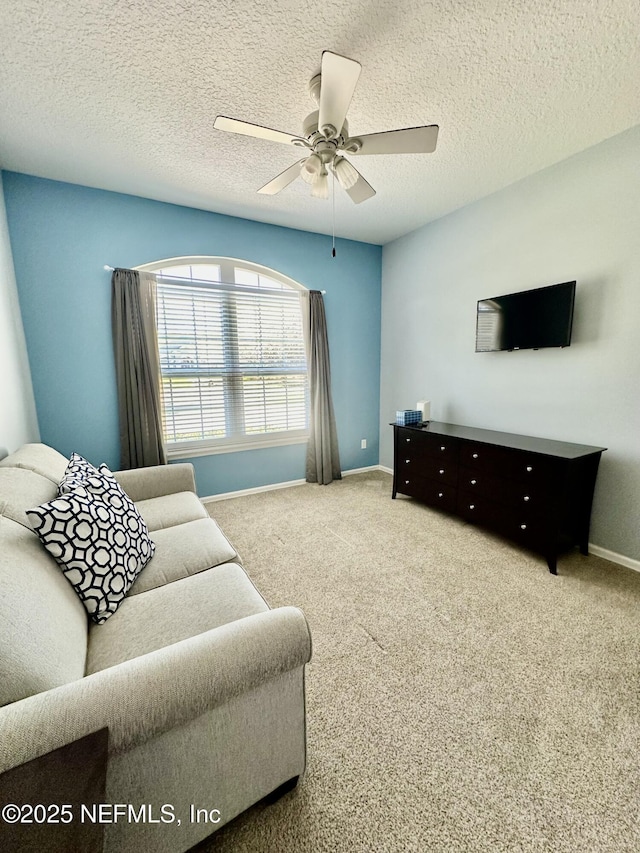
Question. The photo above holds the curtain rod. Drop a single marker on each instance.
(107, 267)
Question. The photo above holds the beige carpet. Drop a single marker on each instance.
(460, 698)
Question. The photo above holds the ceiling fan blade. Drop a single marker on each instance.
(234, 125)
(360, 191)
(410, 140)
(282, 180)
(338, 78)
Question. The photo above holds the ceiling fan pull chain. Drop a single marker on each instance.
(333, 204)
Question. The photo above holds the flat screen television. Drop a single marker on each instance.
(531, 319)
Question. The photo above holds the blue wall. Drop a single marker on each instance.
(62, 235)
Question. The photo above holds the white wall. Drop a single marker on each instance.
(18, 422)
(577, 220)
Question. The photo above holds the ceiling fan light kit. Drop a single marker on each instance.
(345, 173)
(311, 168)
(326, 135)
(320, 188)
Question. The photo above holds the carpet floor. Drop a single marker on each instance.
(459, 697)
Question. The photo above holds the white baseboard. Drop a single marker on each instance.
(273, 486)
(241, 492)
(360, 470)
(620, 559)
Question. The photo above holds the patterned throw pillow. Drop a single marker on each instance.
(96, 535)
(100, 482)
(78, 469)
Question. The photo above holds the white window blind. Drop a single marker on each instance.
(232, 360)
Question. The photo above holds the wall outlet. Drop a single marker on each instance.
(363, 444)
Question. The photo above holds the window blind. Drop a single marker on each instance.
(232, 361)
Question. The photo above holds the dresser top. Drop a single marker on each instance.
(547, 446)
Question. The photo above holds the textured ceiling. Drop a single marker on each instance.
(123, 95)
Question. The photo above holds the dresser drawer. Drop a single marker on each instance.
(435, 494)
(479, 482)
(505, 463)
(440, 495)
(509, 493)
(439, 447)
(421, 443)
(409, 483)
(529, 527)
(409, 463)
(406, 436)
(477, 508)
(428, 468)
(410, 446)
(530, 502)
(534, 471)
(485, 457)
(531, 532)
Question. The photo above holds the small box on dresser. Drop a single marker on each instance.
(408, 417)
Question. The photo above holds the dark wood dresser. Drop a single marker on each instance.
(534, 490)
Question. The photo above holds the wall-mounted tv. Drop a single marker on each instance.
(531, 319)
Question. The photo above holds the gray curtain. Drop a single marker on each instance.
(323, 457)
(135, 343)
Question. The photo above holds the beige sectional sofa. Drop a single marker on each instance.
(200, 683)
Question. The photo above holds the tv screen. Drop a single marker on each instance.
(531, 319)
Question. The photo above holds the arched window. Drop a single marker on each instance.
(232, 356)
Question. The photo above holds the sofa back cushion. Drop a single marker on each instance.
(22, 489)
(43, 625)
(41, 458)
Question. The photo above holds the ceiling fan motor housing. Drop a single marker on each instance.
(319, 141)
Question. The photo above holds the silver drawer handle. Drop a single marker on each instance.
(529, 468)
(526, 498)
(473, 482)
(406, 482)
(472, 506)
(439, 494)
(441, 471)
(475, 455)
(443, 447)
(407, 461)
(523, 527)
(407, 439)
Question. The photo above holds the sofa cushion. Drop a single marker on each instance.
(99, 540)
(40, 458)
(171, 613)
(169, 510)
(20, 489)
(43, 625)
(184, 550)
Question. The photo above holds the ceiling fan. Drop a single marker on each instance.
(325, 135)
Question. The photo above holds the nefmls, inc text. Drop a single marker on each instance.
(107, 813)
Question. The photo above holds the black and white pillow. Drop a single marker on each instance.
(100, 482)
(77, 471)
(97, 536)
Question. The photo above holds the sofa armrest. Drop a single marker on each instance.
(146, 696)
(141, 484)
